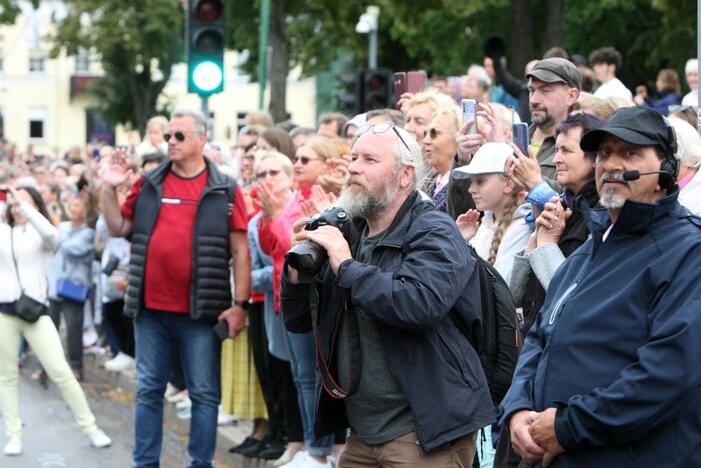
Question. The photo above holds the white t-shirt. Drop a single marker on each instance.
(691, 99)
(613, 88)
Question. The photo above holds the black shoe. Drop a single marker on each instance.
(247, 442)
(254, 449)
(273, 451)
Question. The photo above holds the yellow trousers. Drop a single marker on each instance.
(46, 344)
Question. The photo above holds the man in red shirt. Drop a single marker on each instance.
(185, 219)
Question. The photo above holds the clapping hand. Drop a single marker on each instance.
(551, 223)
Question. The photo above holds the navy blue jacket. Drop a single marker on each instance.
(617, 344)
(421, 270)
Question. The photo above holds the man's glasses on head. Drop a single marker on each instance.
(180, 136)
(380, 128)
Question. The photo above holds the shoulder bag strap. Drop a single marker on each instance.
(14, 260)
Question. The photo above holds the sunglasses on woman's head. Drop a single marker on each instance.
(180, 136)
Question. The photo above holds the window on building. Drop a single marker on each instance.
(37, 124)
(82, 63)
(36, 64)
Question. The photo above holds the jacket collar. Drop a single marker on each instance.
(636, 217)
(157, 175)
(396, 232)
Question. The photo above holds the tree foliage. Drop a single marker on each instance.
(137, 42)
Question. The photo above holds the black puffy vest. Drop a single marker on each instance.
(210, 288)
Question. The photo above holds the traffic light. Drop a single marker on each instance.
(378, 89)
(348, 96)
(205, 46)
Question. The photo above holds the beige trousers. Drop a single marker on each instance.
(46, 344)
(404, 452)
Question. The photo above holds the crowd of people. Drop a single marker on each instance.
(174, 254)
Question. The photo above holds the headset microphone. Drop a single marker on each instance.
(635, 175)
(667, 179)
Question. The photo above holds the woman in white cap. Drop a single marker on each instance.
(503, 231)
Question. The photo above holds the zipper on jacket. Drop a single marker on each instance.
(560, 302)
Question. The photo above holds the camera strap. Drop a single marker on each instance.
(349, 340)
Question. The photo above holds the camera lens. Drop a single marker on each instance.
(307, 257)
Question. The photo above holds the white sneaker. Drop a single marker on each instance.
(303, 460)
(290, 452)
(173, 394)
(99, 439)
(185, 403)
(120, 362)
(224, 419)
(13, 446)
(89, 337)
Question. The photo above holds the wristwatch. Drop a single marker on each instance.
(243, 304)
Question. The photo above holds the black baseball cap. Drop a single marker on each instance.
(556, 70)
(636, 125)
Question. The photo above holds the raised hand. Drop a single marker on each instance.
(468, 223)
(524, 169)
(117, 173)
(468, 143)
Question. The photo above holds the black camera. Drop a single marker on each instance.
(308, 257)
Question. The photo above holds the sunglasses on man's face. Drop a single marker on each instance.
(180, 136)
(270, 172)
(304, 160)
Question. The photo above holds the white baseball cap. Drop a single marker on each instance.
(490, 158)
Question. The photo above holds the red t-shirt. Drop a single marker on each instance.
(169, 258)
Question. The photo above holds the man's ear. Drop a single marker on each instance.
(407, 176)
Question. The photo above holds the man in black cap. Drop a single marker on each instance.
(609, 372)
(553, 86)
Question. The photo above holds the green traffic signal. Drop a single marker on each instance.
(207, 76)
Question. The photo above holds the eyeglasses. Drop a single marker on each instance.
(304, 160)
(270, 172)
(381, 128)
(432, 132)
(180, 136)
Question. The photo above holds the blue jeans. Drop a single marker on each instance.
(303, 364)
(157, 335)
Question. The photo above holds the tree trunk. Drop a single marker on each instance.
(521, 47)
(554, 24)
(279, 65)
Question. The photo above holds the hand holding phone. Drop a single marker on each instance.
(400, 87)
(221, 329)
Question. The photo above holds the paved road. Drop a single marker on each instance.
(53, 439)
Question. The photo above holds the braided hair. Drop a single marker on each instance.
(504, 221)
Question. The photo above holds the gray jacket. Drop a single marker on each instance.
(73, 260)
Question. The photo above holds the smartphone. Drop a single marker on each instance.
(400, 86)
(416, 81)
(221, 329)
(469, 111)
(520, 136)
(3, 195)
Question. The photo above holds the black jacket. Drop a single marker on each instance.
(210, 288)
(421, 278)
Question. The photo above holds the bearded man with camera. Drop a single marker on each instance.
(393, 297)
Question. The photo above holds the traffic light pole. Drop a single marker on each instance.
(205, 111)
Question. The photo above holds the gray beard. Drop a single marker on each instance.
(365, 204)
